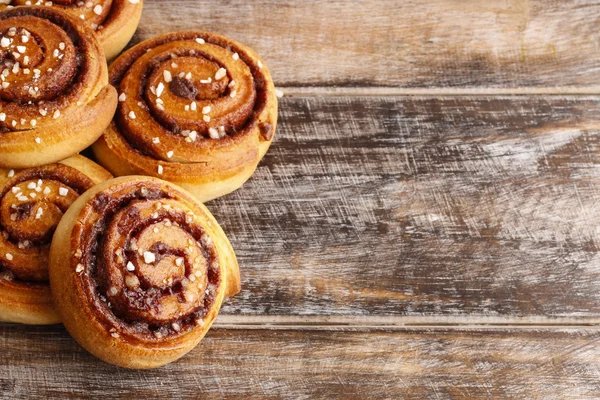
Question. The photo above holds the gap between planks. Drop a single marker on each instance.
(398, 323)
(366, 323)
(323, 91)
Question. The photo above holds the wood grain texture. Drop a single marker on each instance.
(410, 207)
(40, 363)
(433, 44)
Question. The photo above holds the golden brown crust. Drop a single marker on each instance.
(119, 27)
(25, 232)
(55, 98)
(139, 270)
(114, 21)
(204, 115)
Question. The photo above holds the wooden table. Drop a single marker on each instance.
(425, 226)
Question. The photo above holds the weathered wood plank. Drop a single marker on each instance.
(411, 207)
(40, 363)
(441, 43)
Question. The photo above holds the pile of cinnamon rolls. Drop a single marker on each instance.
(121, 250)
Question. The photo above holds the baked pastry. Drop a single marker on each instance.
(138, 270)
(55, 98)
(32, 201)
(196, 109)
(114, 21)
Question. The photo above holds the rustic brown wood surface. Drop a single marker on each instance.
(426, 224)
(412, 44)
(423, 207)
(300, 364)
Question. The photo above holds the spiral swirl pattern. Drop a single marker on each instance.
(55, 98)
(32, 202)
(31, 205)
(149, 263)
(161, 274)
(195, 108)
(114, 21)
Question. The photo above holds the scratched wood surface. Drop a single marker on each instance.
(435, 171)
(301, 364)
(439, 43)
(413, 207)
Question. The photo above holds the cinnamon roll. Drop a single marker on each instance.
(32, 201)
(138, 270)
(114, 21)
(196, 109)
(55, 99)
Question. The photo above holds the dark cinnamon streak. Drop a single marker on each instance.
(23, 211)
(183, 88)
(266, 131)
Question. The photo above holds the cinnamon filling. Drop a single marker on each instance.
(184, 88)
(22, 211)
